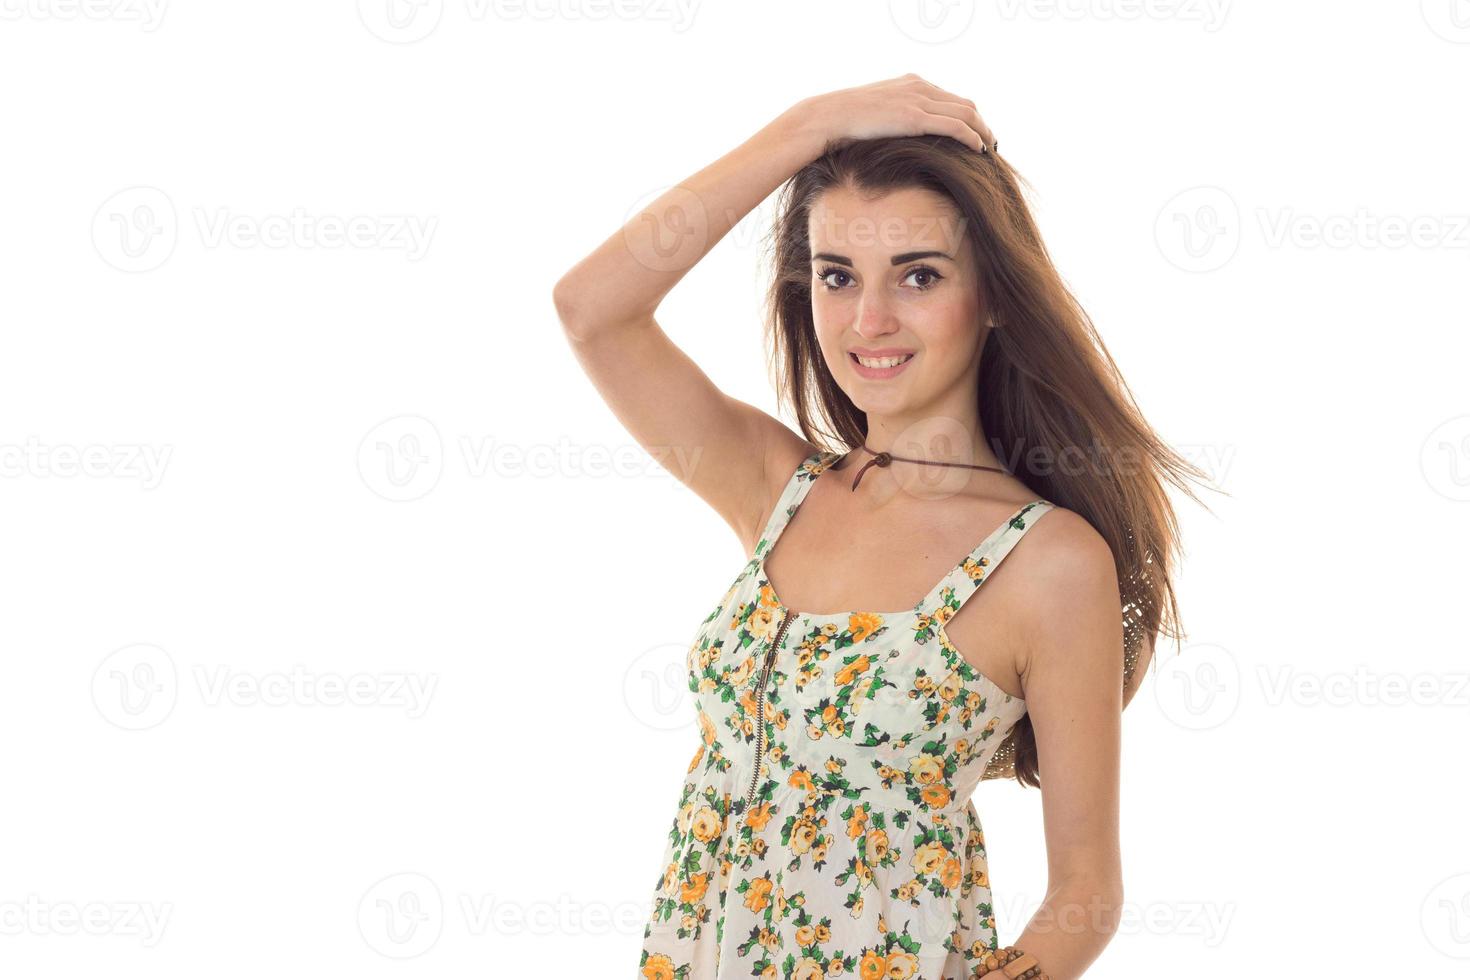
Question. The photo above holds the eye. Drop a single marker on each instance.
(828, 271)
(924, 270)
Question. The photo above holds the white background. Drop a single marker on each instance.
(249, 466)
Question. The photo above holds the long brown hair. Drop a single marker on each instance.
(1046, 380)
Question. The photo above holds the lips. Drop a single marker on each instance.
(880, 365)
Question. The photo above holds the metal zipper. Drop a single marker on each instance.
(760, 706)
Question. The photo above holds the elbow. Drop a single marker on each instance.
(1096, 900)
(562, 298)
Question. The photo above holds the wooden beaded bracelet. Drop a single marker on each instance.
(1008, 961)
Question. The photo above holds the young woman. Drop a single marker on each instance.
(825, 825)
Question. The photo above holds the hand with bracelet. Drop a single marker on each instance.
(1010, 963)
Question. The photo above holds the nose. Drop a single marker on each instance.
(874, 316)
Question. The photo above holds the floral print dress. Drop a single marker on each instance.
(824, 827)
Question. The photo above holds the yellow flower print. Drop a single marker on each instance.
(808, 968)
(803, 835)
(976, 569)
(863, 625)
(706, 825)
(758, 895)
(873, 966)
(694, 889)
(935, 795)
(758, 816)
(849, 671)
(878, 845)
(762, 622)
(658, 967)
(950, 687)
(858, 823)
(926, 768)
(929, 857)
(902, 965)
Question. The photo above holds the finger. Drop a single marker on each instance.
(949, 98)
(956, 129)
(966, 114)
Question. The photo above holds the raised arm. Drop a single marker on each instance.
(727, 451)
(713, 443)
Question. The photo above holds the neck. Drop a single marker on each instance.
(942, 442)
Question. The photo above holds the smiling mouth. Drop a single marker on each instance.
(880, 362)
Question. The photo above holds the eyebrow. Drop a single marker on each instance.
(896, 260)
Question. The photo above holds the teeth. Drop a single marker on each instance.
(881, 362)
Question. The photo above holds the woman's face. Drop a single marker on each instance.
(895, 279)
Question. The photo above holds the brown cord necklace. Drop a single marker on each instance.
(885, 459)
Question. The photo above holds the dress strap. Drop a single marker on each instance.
(965, 579)
(796, 487)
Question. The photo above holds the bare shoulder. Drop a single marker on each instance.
(784, 452)
(1070, 556)
(1071, 583)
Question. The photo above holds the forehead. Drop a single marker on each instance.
(901, 220)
